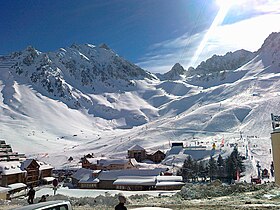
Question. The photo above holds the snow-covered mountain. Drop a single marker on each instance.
(176, 73)
(218, 67)
(78, 100)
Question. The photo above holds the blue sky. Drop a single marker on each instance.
(155, 34)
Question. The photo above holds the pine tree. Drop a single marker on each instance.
(195, 170)
(187, 169)
(212, 168)
(234, 163)
(220, 161)
(221, 169)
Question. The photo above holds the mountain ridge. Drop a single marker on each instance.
(149, 113)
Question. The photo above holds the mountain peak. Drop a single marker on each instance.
(269, 51)
(177, 72)
(104, 46)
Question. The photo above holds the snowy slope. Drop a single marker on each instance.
(83, 114)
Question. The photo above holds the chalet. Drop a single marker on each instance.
(11, 172)
(137, 152)
(32, 168)
(36, 171)
(156, 157)
(46, 172)
(108, 164)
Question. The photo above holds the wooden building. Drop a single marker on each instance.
(107, 178)
(108, 164)
(137, 152)
(33, 172)
(135, 183)
(133, 179)
(36, 171)
(10, 173)
(7, 154)
(156, 157)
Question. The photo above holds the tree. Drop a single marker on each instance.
(220, 161)
(202, 171)
(212, 168)
(195, 171)
(187, 169)
(234, 163)
(221, 168)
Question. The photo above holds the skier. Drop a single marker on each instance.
(31, 195)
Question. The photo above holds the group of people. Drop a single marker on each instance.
(31, 196)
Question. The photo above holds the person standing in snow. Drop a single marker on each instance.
(122, 201)
(259, 169)
(272, 169)
(31, 195)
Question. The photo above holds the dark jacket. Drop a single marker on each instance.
(120, 206)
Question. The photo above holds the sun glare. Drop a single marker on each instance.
(224, 7)
(229, 3)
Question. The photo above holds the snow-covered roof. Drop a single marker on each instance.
(44, 166)
(175, 150)
(107, 162)
(82, 173)
(10, 167)
(169, 178)
(4, 189)
(133, 161)
(26, 163)
(17, 186)
(114, 174)
(169, 183)
(198, 154)
(90, 180)
(136, 147)
(95, 160)
(135, 180)
(48, 178)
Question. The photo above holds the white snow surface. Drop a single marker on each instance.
(149, 112)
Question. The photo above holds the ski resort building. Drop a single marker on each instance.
(196, 152)
(133, 179)
(11, 173)
(109, 164)
(7, 154)
(36, 171)
(17, 175)
(140, 154)
(137, 152)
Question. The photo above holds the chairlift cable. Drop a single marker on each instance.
(192, 31)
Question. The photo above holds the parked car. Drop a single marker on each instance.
(48, 205)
